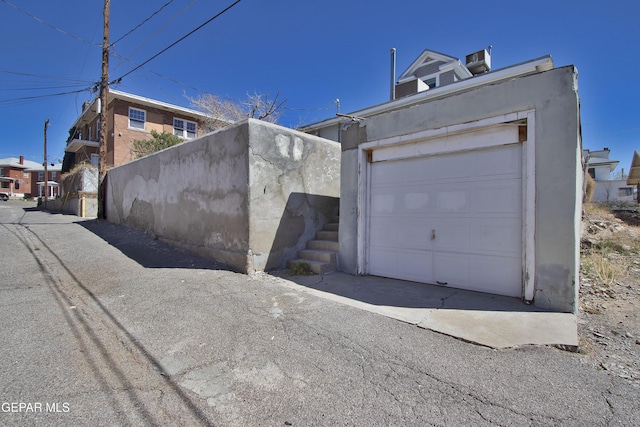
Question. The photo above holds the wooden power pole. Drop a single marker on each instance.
(104, 92)
(46, 170)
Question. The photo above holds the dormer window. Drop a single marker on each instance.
(432, 82)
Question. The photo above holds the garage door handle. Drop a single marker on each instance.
(442, 283)
(433, 234)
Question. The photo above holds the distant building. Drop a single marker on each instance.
(15, 180)
(52, 182)
(600, 167)
(129, 117)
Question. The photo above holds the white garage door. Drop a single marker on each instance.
(453, 219)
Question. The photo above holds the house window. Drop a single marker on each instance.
(137, 118)
(25, 175)
(40, 176)
(431, 82)
(1, 172)
(53, 176)
(95, 159)
(184, 129)
(625, 191)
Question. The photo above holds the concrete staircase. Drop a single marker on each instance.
(321, 253)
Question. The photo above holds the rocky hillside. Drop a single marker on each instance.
(609, 315)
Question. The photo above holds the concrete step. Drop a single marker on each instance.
(326, 245)
(332, 226)
(316, 266)
(327, 235)
(318, 255)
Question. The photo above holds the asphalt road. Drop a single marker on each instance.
(103, 325)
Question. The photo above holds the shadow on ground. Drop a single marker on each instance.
(380, 291)
(146, 250)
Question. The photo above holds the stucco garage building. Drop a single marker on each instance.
(474, 185)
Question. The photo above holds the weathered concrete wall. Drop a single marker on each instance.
(228, 194)
(294, 184)
(553, 95)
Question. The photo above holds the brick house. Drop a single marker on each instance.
(53, 180)
(130, 117)
(15, 180)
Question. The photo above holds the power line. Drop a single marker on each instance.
(176, 42)
(28, 98)
(158, 31)
(41, 87)
(45, 77)
(143, 22)
(42, 21)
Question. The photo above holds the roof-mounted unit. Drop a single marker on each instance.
(479, 62)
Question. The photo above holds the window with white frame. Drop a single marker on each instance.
(53, 176)
(40, 176)
(184, 128)
(137, 118)
(1, 172)
(25, 175)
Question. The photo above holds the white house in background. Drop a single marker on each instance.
(599, 166)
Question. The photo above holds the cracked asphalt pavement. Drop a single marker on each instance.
(103, 325)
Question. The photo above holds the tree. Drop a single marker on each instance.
(257, 106)
(159, 141)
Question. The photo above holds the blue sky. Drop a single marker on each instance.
(309, 52)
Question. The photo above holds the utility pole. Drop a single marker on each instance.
(46, 171)
(104, 91)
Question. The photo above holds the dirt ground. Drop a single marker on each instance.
(609, 312)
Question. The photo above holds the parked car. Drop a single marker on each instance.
(4, 197)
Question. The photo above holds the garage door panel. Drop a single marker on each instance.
(401, 264)
(411, 233)
(454, 218)
(452, 269)
(478, 273)
(497, 237)
(506, 162)
(453, 199)
(411, 170)
(456, 167)
(498, 197)
(452, 235)
(497, 275)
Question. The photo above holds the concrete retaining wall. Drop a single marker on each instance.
(249, 195)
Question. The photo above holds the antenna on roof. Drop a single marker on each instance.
(393, 74)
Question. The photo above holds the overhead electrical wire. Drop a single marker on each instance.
(176, 42)
(158, 31)
(42, 21)
(18, 73)
(28, 98)
(143, 22)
